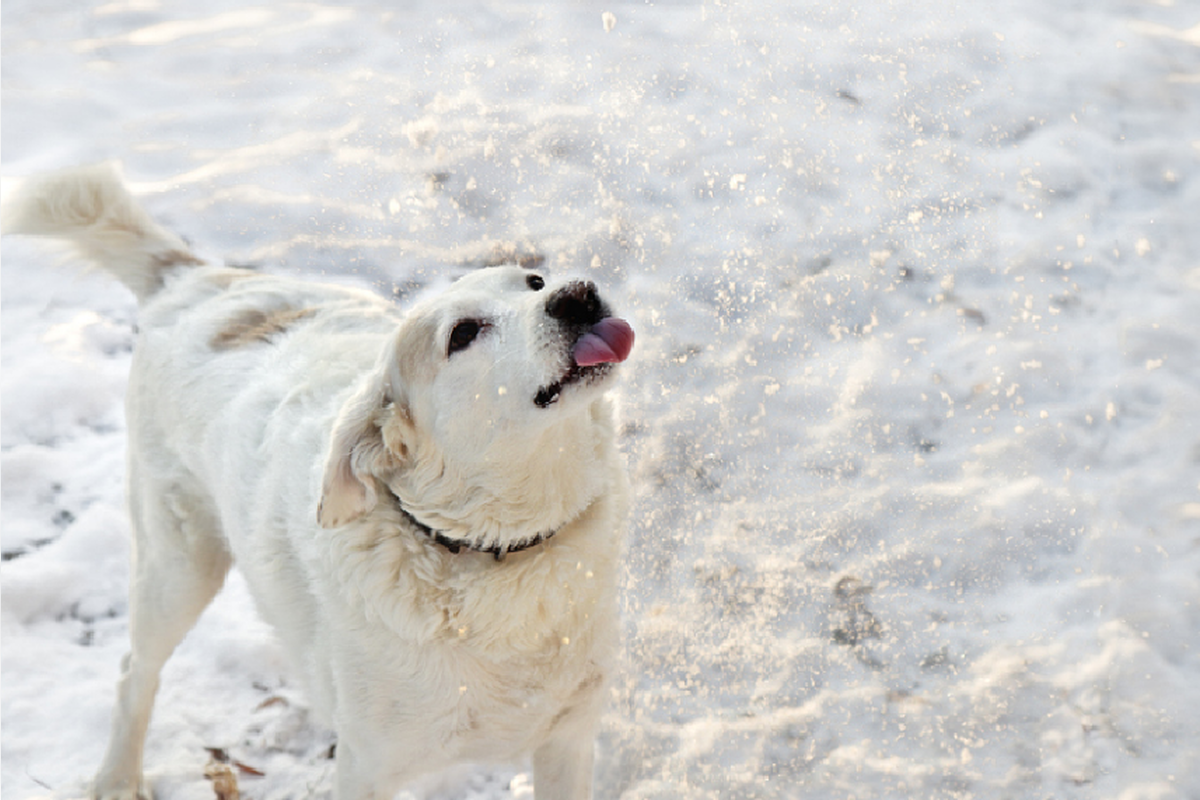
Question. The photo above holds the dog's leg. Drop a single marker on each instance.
(562, 768)
(179, 565)
(354, 781)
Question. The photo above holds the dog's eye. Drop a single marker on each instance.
(463, 334)
(535, 282)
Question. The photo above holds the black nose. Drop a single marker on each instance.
(577, 303)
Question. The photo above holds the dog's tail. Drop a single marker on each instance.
(91, 210)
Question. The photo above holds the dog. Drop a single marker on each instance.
(426, 505)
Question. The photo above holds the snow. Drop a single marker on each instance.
(911, 417)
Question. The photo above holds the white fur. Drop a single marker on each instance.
(238, 444)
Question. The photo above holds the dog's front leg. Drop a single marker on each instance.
(354, 782)
(362, 775)
(562, 767)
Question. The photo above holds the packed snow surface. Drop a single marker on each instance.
(911, 418)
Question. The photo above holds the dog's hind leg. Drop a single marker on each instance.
(179, 563)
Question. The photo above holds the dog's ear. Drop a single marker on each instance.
(368, 441)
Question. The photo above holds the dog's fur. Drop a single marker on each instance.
(302, 430)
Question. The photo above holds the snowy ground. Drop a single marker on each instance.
(912, 418)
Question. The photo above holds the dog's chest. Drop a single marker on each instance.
(457, 705)
(494, 720)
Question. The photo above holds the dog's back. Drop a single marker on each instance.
(207, 332)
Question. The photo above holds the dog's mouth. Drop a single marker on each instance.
(593, 355)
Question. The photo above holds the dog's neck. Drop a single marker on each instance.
(525, 490)
(456, 546)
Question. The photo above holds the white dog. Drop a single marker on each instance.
(426, 506)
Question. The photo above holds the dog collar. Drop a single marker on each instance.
(458, 545)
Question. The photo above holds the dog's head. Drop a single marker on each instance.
(489, 385)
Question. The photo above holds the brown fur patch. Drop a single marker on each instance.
(227, 277)
(175, 258)
(161, 263)
(255, 325)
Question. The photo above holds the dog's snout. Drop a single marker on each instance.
(577, 303)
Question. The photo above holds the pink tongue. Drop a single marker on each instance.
(609, 342)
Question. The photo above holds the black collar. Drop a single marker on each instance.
(456, 545)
